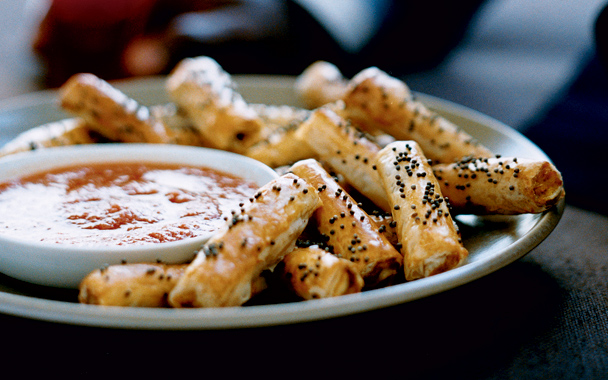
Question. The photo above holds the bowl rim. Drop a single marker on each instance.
(97, 153)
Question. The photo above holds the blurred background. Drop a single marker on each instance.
(534, 65)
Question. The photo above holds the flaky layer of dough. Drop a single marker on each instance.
(314, 273)
(256, 238)
(347, 228)
(505, 185)
(429, 238)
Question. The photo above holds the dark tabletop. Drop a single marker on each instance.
(543, 316)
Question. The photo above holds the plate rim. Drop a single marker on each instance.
(285, 313)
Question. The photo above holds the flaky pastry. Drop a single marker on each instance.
(378, 101)
(430, 240)
(207, 94)
(256, 238)
(110, 112)
(500, 185)
(348, 230)
(345, 149)
(311, 272)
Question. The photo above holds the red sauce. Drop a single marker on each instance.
(114, 204)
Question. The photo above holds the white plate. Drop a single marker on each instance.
(493, 242)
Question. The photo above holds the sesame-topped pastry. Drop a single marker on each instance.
(319, 84)
(346, 150)
(64, 132)
(207, 94)
(311, 272)
(138, 284)
(500, 185)
(256, 238)
(110, 112)
(430, 240)
(378, 101)
(347, 229)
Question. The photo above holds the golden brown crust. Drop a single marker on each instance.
(429, 237)
(504, 185)
(378, 101)
(346, 150)
(110, 112)
(64, 132)
(319, 84)
(139, 285)
(255, 239)
(314, 273)
(206, 93)
(348, 230)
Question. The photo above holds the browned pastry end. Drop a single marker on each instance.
(140, 285)
(500, 185)
(257, 237)
(430, 240)
(312, 272)
(378, 101)
(346, 150)
(348, 229)
(110, 112)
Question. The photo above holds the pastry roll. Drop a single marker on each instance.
(206, 93)
(319, 84)
(312, 272)
(110, 112)
(430, 240)
(279, 147)
(140, 285)
(500, 185)
(256, 238)
(376, 100)
(345, 149)
(347, 229)
(71, 131)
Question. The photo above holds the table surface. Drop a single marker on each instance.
(543, 316)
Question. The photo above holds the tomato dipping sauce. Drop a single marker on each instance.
(120, 203)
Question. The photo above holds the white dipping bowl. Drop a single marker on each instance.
(63, 265)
